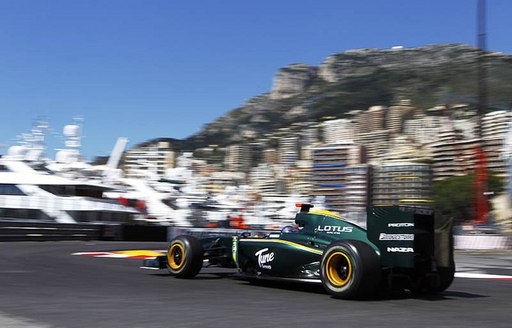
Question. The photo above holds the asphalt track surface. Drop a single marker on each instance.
(43, 285)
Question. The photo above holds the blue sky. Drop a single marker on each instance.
(163, 68)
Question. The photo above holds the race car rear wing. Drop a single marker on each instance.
(407, 237)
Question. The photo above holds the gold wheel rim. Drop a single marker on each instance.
(338, 269)
(176, 256)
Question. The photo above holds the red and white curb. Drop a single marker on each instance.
(476, 275)
(134, 254)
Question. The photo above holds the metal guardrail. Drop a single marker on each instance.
(43, 231)
(36, 231)
(47, 231)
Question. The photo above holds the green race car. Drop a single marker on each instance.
(401, 248)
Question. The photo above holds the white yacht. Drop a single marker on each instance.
(160, 207)
(28, 191)
(68, 190)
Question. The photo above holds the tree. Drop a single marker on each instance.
(454, 198)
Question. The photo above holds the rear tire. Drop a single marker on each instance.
(446, 276)
(350, 269)
(184, 257)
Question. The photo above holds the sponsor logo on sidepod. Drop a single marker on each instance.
(264, 258)
(333, 229)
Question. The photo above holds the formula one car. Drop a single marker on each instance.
(400, 249)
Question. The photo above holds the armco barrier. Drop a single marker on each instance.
(38, 231)
(35, 231)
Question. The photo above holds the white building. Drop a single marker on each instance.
(238, 158)
(339, 130)
(152, 158)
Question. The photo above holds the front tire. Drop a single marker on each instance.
(185, 257)
(350, 269)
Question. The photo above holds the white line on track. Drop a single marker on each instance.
(476, 275)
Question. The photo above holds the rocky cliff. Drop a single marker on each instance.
(292, 80)
(358, 79)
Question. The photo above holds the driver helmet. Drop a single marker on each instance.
(288, 229)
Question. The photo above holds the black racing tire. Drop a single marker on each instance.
(444, 279)
(350, 269)
(184, 257)
(446, 275)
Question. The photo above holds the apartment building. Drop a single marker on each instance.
(396, 116)
(329, 176)
(376, 144)
(495, 127)
(453, 155)
(298, 178)
(357, 189)
(425, 129)
(374, 119)
(238, 158)
(289, 150)
(339, 130)
(151, 158)
(404, 148)
(264, 179)
(270, 156)
(402, 183)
